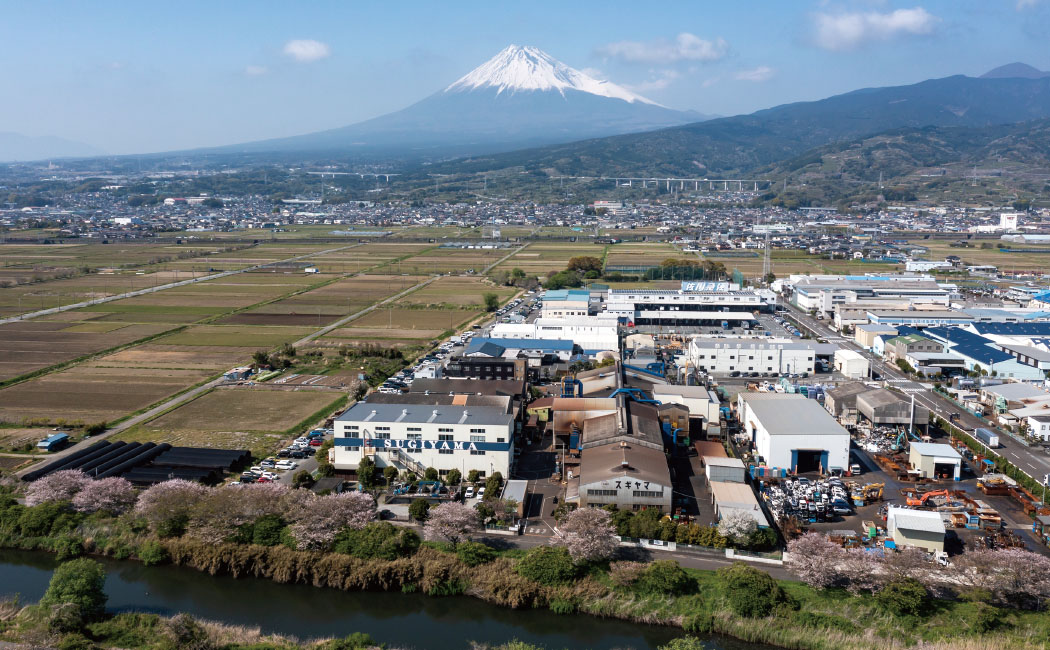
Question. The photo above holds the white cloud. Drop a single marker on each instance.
(659, 79)
(761, 73)
(846, 31)
(1026, 4)
(306, 50)
(255, 70)
(685, 47)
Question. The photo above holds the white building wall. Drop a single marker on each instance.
(719, 357)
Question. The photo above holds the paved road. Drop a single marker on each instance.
(1031, 460)
(181, 283)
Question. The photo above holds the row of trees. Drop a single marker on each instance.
(1009, 577)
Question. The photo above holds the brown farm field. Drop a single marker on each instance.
(254, 336)
(254, 419)
(91, 394)
(545, 257)
(456, 290)
(30, 345)
(454, 260)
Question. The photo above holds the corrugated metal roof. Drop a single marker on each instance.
(921, 520)
(787, 414)
(935, 449)
(415, 413)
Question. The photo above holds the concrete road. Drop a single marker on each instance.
(1031, 460)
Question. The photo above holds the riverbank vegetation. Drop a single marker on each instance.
(293, 536)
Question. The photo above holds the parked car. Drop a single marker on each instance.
(469, 494)
(284, 453)
(267, 464)
(298, 454)
(286, 464)
(256, 469)
(316, 442)
(273, 476)
(481, 492)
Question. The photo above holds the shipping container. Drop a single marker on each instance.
(986, 436)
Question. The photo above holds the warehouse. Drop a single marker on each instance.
(851, 364)
(933, 460)
(722, 356)
(413, 437)
(916, 528)
(724, 469)
(792, 432)
(883, 407)
(841, 401)
(729, 497)
(701, 403)
(629, 476)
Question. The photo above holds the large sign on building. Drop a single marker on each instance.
(707, 285)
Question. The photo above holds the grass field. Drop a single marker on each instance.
(543, 257)
(259, 337)
(255, 419)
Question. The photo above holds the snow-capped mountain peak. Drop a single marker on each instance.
(524, 68)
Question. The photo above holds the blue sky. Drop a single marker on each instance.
(132, 77)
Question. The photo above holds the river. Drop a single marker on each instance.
(399, 620)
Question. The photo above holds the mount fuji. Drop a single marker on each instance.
(520, 97)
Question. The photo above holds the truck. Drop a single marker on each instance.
(725, 324)
(987, 437)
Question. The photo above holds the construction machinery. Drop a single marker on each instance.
(921, 500)
(870, 493)
(902, 439)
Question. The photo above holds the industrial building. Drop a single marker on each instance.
(916, 528)
(851, 364)
(823, 292)
(792, 432)
(671, 309)
(629, 475)
(724, 355)
(592, 334)
(565, 303)
(883, 407)
(702, 405)
(739, 497)
(935, 460)
(412, 437)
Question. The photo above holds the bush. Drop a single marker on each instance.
(699, 624)
(986, 619)
(820, 621)
(474, 553)
(685, 643)
(152, 553)
(547, 565)
(79, 583)
(303, 479)
(903, 597)
(418, 509)
(67, 547)
(356, 641)
(664, 577)
(563, 606)
(187, 633)
(626, 574)
(379, 539)
(267, 530)
(751, 593)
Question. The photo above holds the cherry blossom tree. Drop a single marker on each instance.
(166, 506)
(316, 521)
(113, 494)
(589, 535)
(816, 560)
(450, 522)
(737, 526)
(222, 510)
(57, 486)
(1013, 575)
(863, 571)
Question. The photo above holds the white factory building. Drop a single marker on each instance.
(850, 363)
(688, 307)
(726, 355)
(793, 432)
(591, 333)
(824, 292)
(416, 436)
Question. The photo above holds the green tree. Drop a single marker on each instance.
(418, 509)
(491, 301)
(453, 477)
(664, 577)
(430, 474)
(903, 597)
(584, 263)
(493, 486)
(389, 473)
(751, 593)
(261, 358)
(303, 479)
(548, 565)
(79, 583)
(366, 472)
(473, 476)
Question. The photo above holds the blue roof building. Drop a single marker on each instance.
(978, 351)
